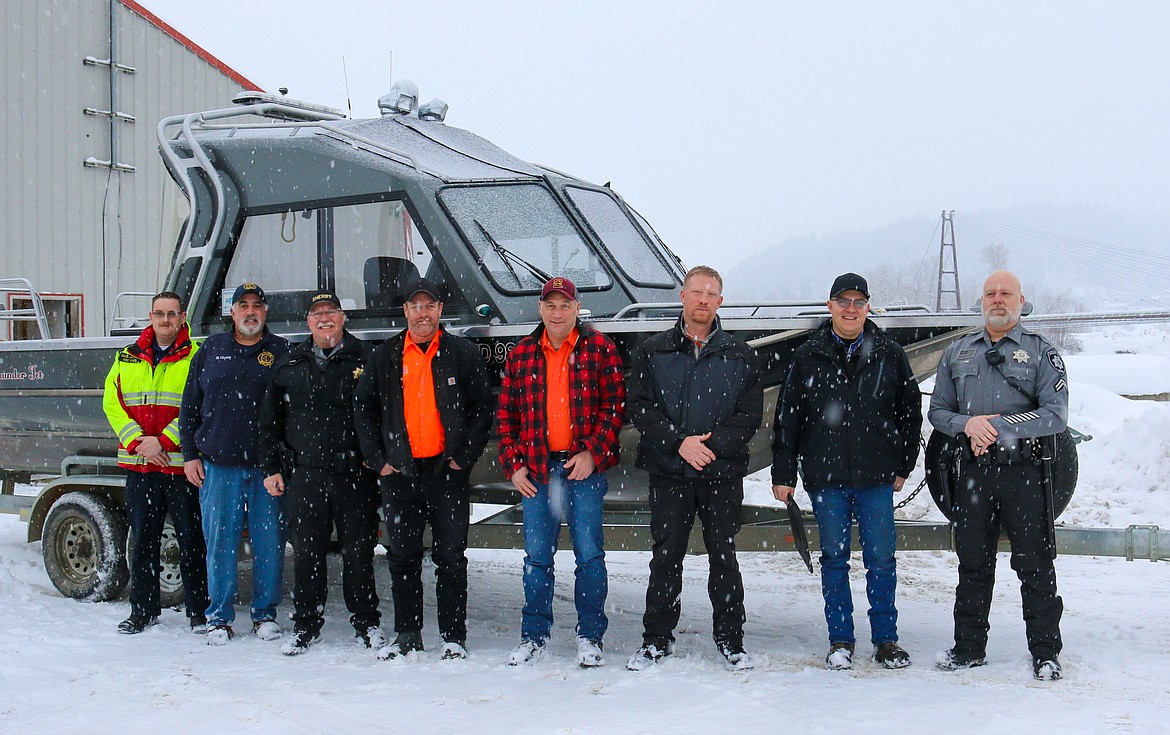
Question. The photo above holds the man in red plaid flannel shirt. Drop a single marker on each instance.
(560, 412)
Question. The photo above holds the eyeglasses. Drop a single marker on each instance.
(856, 303)
(324, 313)
(417, 306)
(165, 314)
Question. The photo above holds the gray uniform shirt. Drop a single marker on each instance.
(967, 385)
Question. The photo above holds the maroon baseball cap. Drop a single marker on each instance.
(560, 285)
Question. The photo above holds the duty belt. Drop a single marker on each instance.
(1015, 451)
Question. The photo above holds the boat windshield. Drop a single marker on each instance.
(621, 237)
(522, 237)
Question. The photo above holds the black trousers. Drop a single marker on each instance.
(1011, 496)
(438, 495)
(317, 500)
(673, 506)
(150, 496)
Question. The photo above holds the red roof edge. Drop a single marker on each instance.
(194, 47)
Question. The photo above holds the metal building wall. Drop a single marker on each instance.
(91, 230)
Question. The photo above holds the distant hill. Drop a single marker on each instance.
(1068, 257)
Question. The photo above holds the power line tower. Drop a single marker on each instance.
(948, 273)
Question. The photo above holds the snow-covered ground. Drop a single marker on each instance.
(64, 668)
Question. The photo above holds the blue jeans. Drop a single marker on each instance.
(578, 502)
(873, 507)
(229, 497)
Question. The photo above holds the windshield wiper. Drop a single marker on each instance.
(505, 254)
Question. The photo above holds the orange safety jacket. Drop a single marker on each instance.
(143, 399)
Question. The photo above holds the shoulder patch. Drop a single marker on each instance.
(1056, 360)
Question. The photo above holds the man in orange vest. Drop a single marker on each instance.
(141, 399)
(424, 411)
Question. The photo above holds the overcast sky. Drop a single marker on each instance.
(733, 125)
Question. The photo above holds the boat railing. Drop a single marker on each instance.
(756, 309)
(33, 313)
(122, 318)
(198, 158)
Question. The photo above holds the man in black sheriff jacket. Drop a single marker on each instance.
(851, 412)
(424, 411)
(310, 451)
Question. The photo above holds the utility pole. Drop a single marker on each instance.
(948, 274)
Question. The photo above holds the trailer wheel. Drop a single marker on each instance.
(84, 547)
(170, 578)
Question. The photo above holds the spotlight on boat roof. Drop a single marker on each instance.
(435, 110)
(402, 99)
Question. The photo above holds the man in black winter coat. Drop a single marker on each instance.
(310, 451)
(695, 395)
(424, 412)
(851, 414)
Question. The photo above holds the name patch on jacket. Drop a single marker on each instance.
(127, 357)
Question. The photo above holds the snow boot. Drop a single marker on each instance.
(955, 660)
(734, 657)
(267, 630)
(590, 653)
(136, 624)
(371, 637)
(453, 650)
(299, 642)
(1046, 668)
(219, 635)
(198, 624)
(647, 656)
(891, 655)
(526, 653)
(406, 642)
(840, 656)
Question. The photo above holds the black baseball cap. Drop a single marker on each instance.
(247, 288)
(421, 285)
(849, 282)
(324, 296)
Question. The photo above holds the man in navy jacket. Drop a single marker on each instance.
(218, 430)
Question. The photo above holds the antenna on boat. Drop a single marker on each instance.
(345, 75)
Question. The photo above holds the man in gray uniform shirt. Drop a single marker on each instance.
(1002, 389)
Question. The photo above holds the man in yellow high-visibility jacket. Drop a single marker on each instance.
(142, 395)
